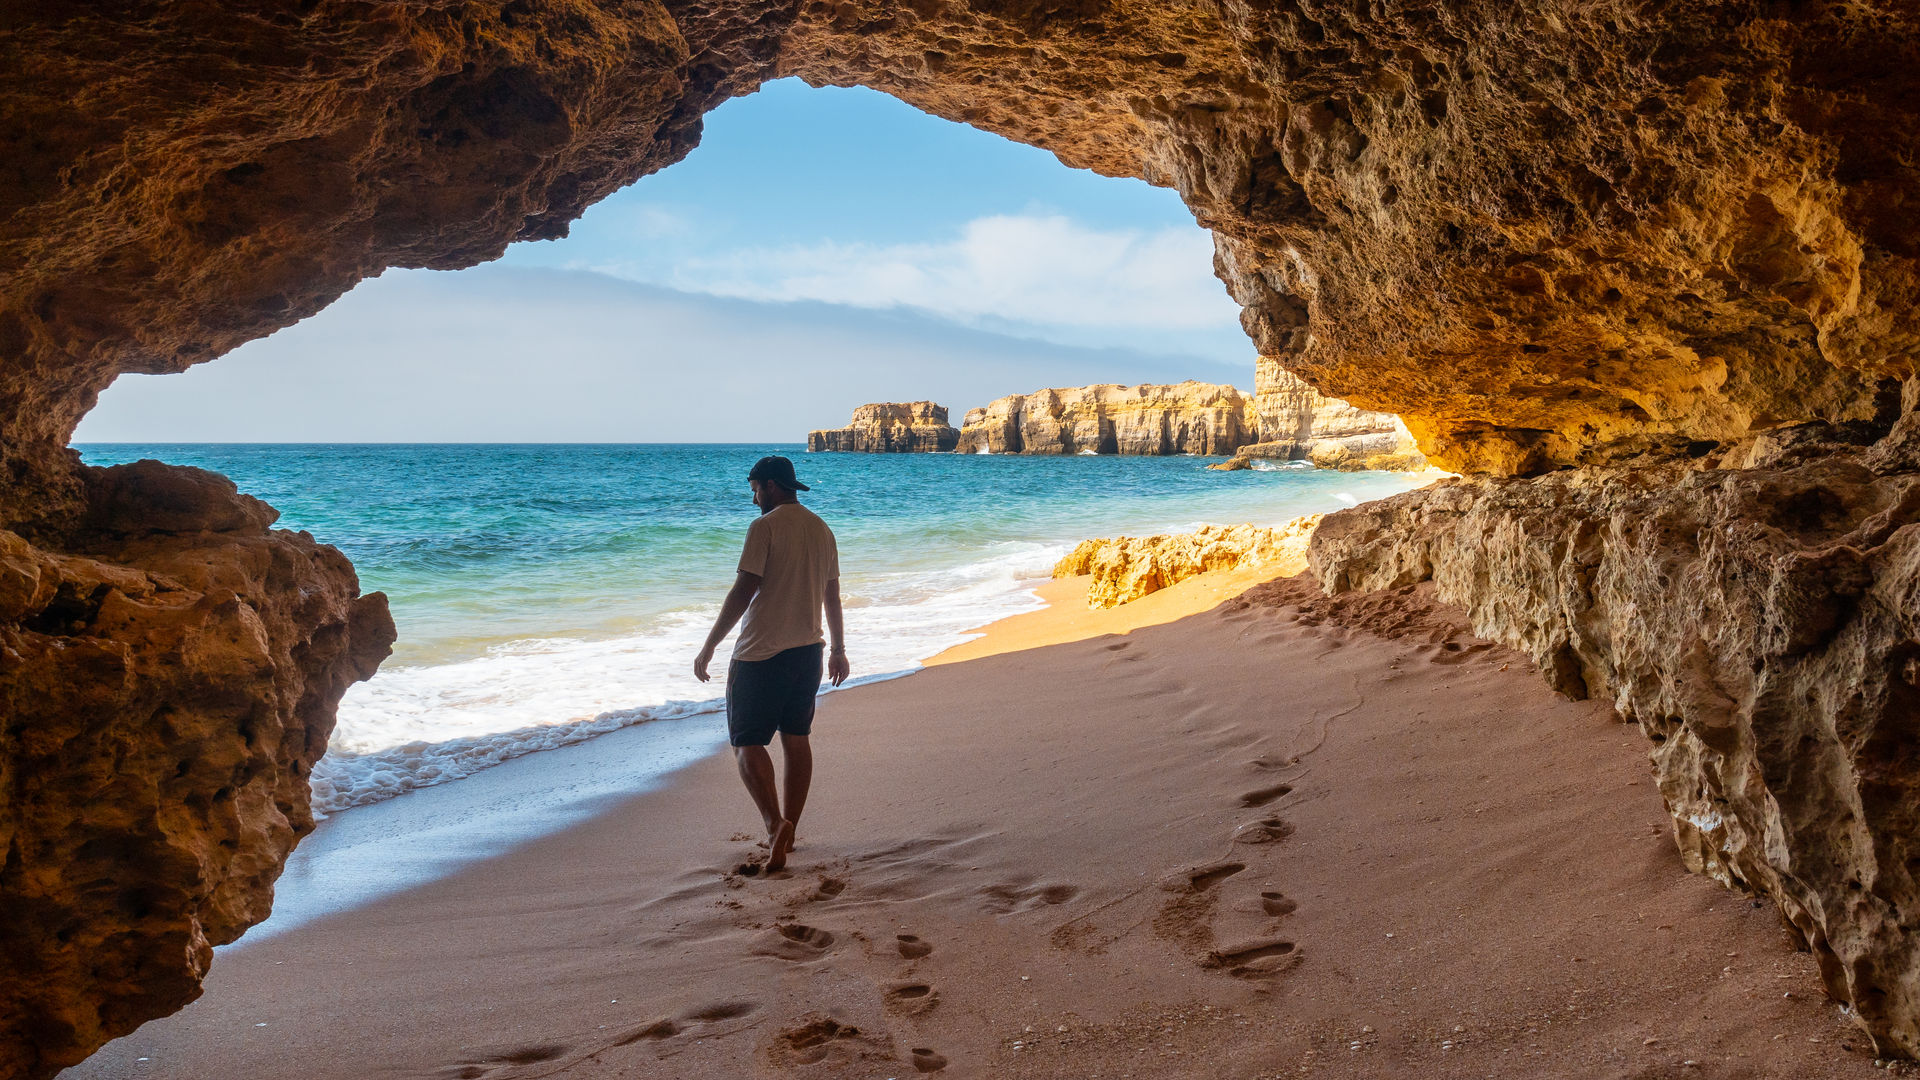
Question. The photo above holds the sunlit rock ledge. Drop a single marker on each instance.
(1121, 569)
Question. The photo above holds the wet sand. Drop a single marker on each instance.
(1263, 840)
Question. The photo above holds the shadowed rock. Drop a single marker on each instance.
(1544, 233)
(1760, 624)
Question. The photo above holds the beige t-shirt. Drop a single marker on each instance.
(793, 552)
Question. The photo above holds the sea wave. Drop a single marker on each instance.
(417, 726)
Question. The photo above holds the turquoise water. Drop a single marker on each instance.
(546, 593)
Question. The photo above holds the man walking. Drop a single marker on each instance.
(789, 572)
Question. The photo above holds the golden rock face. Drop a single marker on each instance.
(1545, 233)
(1121, 569)
(890, 427)
(1147, 419)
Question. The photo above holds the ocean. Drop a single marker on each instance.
(546, 594)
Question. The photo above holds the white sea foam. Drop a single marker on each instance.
(416, 726)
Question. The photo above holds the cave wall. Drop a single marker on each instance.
(1757, 613)
(1640, 240)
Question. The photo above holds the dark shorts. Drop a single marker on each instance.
(775, 694)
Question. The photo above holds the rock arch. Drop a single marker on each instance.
(1661, 254)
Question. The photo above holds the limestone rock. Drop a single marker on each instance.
(168, 676)
(1545, 233)
(1298, 423)
(890, 428)
(1385, 452)
(1184, 418)
(1762, 626)
(1126, 568)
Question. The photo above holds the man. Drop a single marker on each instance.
(789, 572)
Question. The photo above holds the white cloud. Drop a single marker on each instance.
(1043, 271)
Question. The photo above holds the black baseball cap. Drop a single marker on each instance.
(777, 469)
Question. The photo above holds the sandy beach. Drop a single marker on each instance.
(1214, 833)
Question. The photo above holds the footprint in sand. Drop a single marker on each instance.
(1278, 904)
(1253, 960)
(830, 887)
(723, 1010)
(1265, 795)
(822, 1038)
(659, 1030)
(794, 942)
(525, 1055)
(912, 999)
(1265, 831)
(912, 948)
(1200, 878)
(1006, 899)
(1453, 652)
(926, 1061)
(649, 1032)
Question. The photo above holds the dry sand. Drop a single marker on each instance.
(1258, 841)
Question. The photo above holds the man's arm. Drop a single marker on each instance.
(734, 606)
(837, 667)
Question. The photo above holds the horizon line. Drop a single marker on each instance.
(364, 442)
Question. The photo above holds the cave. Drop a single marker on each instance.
(1645, 276)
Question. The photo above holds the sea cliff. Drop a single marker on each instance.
(1299, 423)
(1183, 418)
(890, 427)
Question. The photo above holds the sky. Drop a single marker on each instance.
(820, 249)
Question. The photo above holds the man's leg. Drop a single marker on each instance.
(797, 757)
(756, 771)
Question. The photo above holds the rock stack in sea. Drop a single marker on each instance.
(1298, 423)
(1183, 418)
(890, 427)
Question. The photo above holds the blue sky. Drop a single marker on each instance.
(819, 249)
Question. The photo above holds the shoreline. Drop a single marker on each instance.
(1284, 836)
(426, 833)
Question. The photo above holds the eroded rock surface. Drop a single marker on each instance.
(1126, 568)
(168, 676)
(890, 428)
(1299, 423)
(1546, 233)
(1182, 418)
(1761, 623)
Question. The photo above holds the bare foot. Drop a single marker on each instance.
(779, 844)
(791, 848)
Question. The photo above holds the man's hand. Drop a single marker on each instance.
(837, 667)
(701, 661)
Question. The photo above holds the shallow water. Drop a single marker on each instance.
(546, 594)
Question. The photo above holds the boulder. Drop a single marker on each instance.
(166, 690)
(1126, 568)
